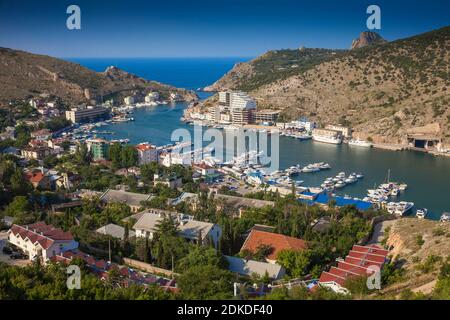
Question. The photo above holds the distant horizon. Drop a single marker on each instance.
(205, 29)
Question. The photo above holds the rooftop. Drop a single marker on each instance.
(278, 242)
(114, 231)
(248, 267)
(41, 233)
(129, 198)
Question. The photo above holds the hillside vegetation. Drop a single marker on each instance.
(383, 90)
(24, 74)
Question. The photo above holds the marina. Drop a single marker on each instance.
(427, 176)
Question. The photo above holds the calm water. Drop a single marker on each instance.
(428, 177)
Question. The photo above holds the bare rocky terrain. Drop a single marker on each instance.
(24, 74)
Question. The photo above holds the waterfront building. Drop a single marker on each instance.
(176, 97)
(129, 100)
(151, 97)
(98, 148)
(266, 116)
(214, 114)
(241, 116)
(345, 131)
(41, 241)
(147, 153)
(224, 100)
(80, 114)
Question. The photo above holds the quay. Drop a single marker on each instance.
(391, 147)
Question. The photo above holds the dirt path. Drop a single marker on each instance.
(379, 231)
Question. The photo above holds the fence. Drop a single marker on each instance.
(148, 267)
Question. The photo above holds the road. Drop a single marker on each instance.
(5, 258)
(379, 231)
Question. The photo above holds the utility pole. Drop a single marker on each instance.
(109, 249)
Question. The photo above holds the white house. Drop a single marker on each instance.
(190, 229)
(40, 240)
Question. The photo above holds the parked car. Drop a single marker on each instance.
(7, 250)
(17, 255)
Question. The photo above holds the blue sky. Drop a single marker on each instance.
(198, 28)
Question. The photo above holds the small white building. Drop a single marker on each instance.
(40, 240)
(129, 100)
(151, 97)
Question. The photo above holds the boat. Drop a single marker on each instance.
(445, 217)
(395, 192)
(403, 208)
(359, 176)
(360, 143)
(421, 213)
(340, 184)
(327, 139)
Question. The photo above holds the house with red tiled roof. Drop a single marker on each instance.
(361, 261)
(41, 241)
(39, 179)
(278, 242)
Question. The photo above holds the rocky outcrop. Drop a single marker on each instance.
(24, 74)
(367, 38)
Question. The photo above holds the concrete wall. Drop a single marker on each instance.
(147, 267)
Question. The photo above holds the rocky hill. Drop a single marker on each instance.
(383, 90)
(367, 38)
(25, 74)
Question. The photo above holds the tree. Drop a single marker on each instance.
(206, 282)
(19, 185)
(201, 256)
(296, 263)
(82, 155)
(19, 205)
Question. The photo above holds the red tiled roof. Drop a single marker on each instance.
(278, 242)
(41, 233)
(34, 177)
(358, 262)
(144, 147)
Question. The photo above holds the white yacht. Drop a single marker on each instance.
(403, 208)
(327, 139)
(360, 143)
(421, 213)
(445, 217)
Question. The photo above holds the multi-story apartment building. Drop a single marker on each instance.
(77, 115)
(147, 153)
(266, 115)
(36, 153)
(98, 148)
